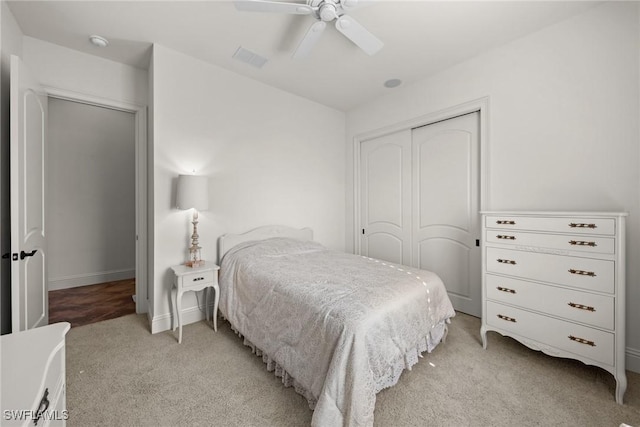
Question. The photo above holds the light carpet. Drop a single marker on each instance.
(119, 374)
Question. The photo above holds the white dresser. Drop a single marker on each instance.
(33, 377)
(555, 281)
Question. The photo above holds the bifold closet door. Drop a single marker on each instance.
(385, 197)
(445, 199)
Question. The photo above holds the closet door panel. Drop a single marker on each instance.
(443, 169)
(384, 176)
(384, 246)
(385, 197)
(445, 178)
(435, 253)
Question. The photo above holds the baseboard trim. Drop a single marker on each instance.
(163, 322)
(74, 281)
(632, 362)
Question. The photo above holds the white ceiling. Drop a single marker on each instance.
(421, 38)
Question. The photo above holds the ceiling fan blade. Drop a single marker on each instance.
(310, 39)
(358, 34)
(273, 6)
(348, 5)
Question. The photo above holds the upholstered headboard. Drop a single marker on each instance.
(228, 241)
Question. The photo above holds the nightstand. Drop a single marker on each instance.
(194, 279)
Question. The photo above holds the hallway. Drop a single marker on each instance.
(89, 304)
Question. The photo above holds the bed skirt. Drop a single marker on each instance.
(427, 343)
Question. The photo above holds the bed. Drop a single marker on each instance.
(337, 327)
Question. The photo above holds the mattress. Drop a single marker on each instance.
(338, 327)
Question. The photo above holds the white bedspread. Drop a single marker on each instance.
(341, 325)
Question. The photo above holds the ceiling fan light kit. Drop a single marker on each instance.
(323, 11)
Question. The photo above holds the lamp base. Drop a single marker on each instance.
(198, 263)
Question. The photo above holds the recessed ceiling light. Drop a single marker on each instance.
(98, 41)
(391, 83)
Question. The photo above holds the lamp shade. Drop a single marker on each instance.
(193, 192)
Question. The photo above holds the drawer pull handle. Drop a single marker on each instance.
(507, 318)
(44, 405)
(582, 225)
(511, 291)
(502, 236)
(582, 307)
(582, 272)
(506, 261)
(582, 341)
(582, 243)
(505, 222)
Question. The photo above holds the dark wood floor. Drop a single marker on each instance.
(93, 303)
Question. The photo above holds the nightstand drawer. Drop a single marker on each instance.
(598, 226)
(592, 309)
(577, 339)
(197, 278)
(583, 273)
(561, 242)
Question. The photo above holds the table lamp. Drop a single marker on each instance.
(193, 193)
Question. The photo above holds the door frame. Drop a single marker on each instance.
(480, 105)
(141, 192)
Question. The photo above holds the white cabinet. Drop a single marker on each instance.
(555, 281)
(33, 377)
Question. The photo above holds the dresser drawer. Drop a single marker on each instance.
(54, 372)
(560, 242)
(596, 226)
(574, 305)
(577, 339)
(583, 273)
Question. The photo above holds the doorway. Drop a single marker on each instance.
(91, 210)
(29, 149)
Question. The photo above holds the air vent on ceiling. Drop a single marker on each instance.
(249, 57)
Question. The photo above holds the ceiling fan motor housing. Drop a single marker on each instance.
(327, 10)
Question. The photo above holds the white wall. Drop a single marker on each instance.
(563, 124)
(10, 44)
(272, 158)
(63, 68)
(90, 194)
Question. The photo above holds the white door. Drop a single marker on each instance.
(385, 201)
(29, 297)
(446, 223)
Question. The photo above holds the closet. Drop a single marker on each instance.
(419, 198)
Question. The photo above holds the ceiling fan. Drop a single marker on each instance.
(324, 11)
